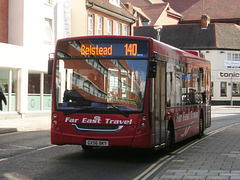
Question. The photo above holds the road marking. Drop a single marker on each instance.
(47, 147)
(6, 134)
(22, 147)
(153, 168)
(14, 175)
(4, 159)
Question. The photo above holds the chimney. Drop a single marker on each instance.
(205, 20)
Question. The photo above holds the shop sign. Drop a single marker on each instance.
(228, 63)
(67, 18)
(227, 74)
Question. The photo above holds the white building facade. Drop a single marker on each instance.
(33, 29)
(32, 36)
(225, 76)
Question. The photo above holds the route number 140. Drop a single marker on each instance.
(131, 49)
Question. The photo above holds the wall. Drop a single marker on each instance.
(78, 17)
(15, 24)
(4, 21)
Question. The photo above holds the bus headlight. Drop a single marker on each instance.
(54, 115)
(54, 121)
(143, 124)
(144, 117)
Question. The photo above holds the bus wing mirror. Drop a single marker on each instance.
(152, 69)
(50, 64)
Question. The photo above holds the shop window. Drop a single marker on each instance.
(14, 90)
(8, 84)
(4, 81)
(223, 89)
(236, 89)
(34, 99)
(47, 93)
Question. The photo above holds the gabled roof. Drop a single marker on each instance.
(193, 37)
(139, 10)
(216, 36)
(138, 3)
(154, 9)
(154, 12)
(110, 8)
(181, 5)
(216, 9)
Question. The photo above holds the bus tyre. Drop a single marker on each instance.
(87, 148)
(170, 141)
(201, 127)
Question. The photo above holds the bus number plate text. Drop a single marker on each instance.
(96, 143)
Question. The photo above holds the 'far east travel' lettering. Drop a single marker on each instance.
(180, 117)
(98, 120)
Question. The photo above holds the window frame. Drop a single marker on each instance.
(109, 27)
(222, 94)
(90, 24)
(118, 29)
(48, 37)
(99, 25)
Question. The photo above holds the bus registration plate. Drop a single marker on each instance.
(96, 143)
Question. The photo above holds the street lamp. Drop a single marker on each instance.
(158, 28)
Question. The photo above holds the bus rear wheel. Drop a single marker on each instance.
(201, 126)
(170, 141)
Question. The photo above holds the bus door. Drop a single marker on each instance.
(160, 103)
(208, 100)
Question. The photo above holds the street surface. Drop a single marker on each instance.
(30, 155)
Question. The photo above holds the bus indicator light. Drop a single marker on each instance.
(131, 49)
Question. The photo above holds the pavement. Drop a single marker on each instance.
(216, 156)
(32, 123)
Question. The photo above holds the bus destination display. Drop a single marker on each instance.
(130, 50)
(106, 49)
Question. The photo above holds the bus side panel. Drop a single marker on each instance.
(186, 122)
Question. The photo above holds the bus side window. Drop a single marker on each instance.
(170, 89)
(170, 83)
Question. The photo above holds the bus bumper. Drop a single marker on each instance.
(138, 141)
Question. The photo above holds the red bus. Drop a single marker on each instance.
(127, 91)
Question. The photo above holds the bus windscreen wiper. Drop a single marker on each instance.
(97, 106)
(116, 108)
